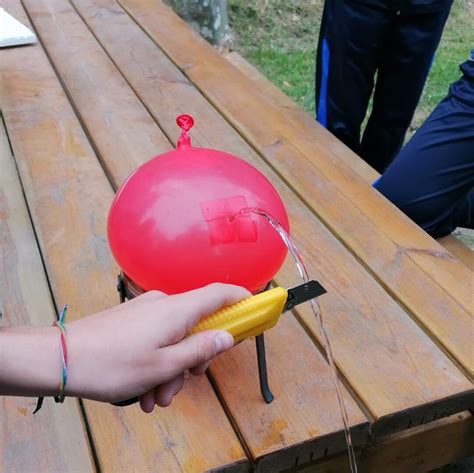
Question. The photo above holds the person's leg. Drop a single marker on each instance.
(432, 178)
(400, 79)
(350, 44)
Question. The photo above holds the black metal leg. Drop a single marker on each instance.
(121, 289)
(262, 369)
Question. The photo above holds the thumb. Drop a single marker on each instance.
(195, 350)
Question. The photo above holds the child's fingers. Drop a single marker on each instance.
(147, 401)
(165, 392)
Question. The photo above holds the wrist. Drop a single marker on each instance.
(91, 365)
(30, 361)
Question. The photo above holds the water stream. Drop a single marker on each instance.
(292, 248)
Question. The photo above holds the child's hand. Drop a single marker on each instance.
(135, 349)
(139, 348)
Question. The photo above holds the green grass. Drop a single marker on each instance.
(279, 37)
(293, 73)
(455, 47)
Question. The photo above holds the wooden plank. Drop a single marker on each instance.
(424, 277)
(397, 389)
(303, 421)
(54, 439)
(193, 435)
(325, 424)
(112, 107)
(418, 450)
(269, 90)
(68, 195)
(459, 249)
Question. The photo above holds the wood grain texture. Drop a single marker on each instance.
(418, 450)
(68, 195)
(415, 269)
(365, 323)
(459, 249)
(192, 435)
(268, 89)
(303, 421)
(108, 108)
(325, 424)
(119, 457)
(54, 439)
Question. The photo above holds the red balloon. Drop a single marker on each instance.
(172, 224)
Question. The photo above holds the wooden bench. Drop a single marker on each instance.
(98, 97)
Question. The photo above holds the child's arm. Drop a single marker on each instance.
(139, 348)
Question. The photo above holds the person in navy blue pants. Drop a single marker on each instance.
(394, 40)
(431, 179)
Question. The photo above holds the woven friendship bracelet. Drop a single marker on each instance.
(62, 384)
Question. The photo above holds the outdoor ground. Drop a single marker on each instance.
(279, 37)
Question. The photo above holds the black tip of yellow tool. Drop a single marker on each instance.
(302, 293)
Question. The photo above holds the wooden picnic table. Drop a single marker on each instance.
(98, 96)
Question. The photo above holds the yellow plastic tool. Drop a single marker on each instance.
(249, 317)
